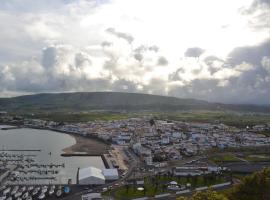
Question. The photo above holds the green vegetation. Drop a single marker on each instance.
(257, 158)
(253, 187)
(157, 185)
(226, 117)
(205, 195)
(227, 157)
(79, 117)
(133, 102)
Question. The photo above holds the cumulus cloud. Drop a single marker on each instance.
(91, 45)
(122, 35)
(162, 61)
(194, 52)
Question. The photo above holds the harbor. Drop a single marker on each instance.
(39, 157)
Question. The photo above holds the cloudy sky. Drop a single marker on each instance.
(216, 50)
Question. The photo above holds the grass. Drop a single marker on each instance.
(228, 157)
(79, 117)
(152, 189)
(226, 117)
(257, 158)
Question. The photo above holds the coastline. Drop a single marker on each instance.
(89, 146)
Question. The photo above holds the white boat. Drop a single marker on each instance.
(15, 189)
(25, 195)
(6, 191)
(19, 198)
(18, 194)
(9, 198)
(3, 187)
(3, 197)
(35, 191)
(30, 188)
(58, 193)
(23, 188)
(51, 191)
(44, 190)
(29, 198)
(41, 196)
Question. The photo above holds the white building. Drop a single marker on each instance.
(91, 176)
(91, 196)
(110, 174)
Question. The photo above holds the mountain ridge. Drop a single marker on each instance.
(81, 101)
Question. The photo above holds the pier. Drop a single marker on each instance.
(7, 127)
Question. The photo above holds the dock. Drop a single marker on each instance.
(7, 127)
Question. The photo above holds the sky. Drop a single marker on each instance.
(214, 50)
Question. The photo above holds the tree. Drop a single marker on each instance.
(205, 195)
(182, 198)
(253, 187)
(208, 195)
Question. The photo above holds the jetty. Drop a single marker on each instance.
(7, 127)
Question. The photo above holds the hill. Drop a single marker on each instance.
(87, 101)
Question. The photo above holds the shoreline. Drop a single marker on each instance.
(83, 145)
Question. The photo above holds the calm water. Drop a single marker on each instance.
(48, 141)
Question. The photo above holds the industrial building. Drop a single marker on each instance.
(95, 176)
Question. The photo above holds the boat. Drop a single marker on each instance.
(18, 194)
(15, 189)
(19, 198)
(51, 191)
(23, 189)
(9, 198)
(29, 198)
(41, 196)
(59, 193)
(3, 187)
(3, 197)
(66, 189)
(44, 190)
(25, 195)
(30, 188)
(6, 191)
(35, 191)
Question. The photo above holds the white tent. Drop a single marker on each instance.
(91, 176)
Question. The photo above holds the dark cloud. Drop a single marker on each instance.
(162, 61)
(176, 76)
(211, 62)
(250, 54)
(106, 44)
(138, 56)
(153, 48)
(194, 52)
(129, 38)
(49, 57)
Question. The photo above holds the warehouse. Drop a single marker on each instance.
(91, 176)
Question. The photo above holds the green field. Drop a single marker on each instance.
(79, 117)
(228, 118)
(228, 157)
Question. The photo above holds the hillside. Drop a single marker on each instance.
(86, 101)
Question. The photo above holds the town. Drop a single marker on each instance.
(141, 148)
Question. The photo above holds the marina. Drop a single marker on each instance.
(8, 192)
(39, 160)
